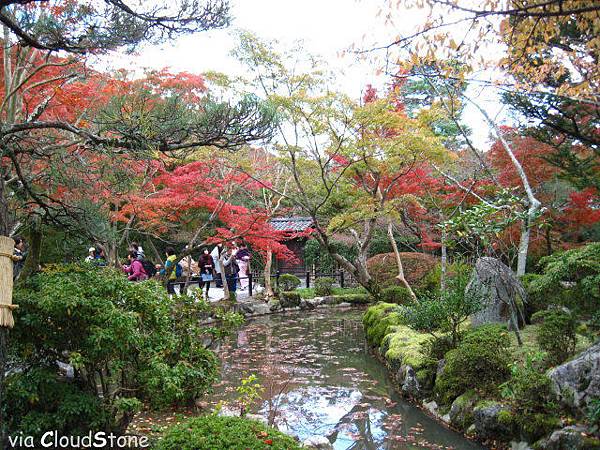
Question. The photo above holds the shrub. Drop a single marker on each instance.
(127, 342)
(480, 362)
(289, 299)
(432, 281)
(324, 286)
(529, 389)
(557, 334)
(224, 433)
(581, 268)
(445, 313)
(396, 294)
(288, 282)
(536, 301)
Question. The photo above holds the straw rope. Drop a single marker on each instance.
(7, 246)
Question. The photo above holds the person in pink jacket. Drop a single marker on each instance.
(135, 269)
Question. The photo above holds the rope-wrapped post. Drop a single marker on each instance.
(7, 246)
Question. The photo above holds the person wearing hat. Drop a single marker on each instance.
(91, 255)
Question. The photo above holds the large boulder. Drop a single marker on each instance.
(577, 382)
(383, 268)
(572, 437)
(487, 418)
(501, 293)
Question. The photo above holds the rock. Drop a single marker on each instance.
(344, 304)
(569, 438)
(318, 442)
(311, 303)
(461, 411)
(408, 379)
(471, 430)
(440, 368)
(431, 407)
(445, 418)
(577, 382)
(274, 305)
(289, 299)
(501, 292)
(487, 423)
(514, 445)
(260, 309)
(329, 300)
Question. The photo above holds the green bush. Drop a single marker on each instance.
(224, 433)
(534, 405)
(480, 362)
(536, 301)
(290, 299)
(396, 294)
(324, 286)
(128, 343)
(288, 282)
(445, 313)
(557, 334)
(581, 268)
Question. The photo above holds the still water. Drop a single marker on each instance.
(319, 379)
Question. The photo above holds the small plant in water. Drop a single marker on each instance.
(248, 392)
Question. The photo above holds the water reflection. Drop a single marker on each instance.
(318, 379)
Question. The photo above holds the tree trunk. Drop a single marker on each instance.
(444, 262)
(267, 272)
(400, 275)
(32, 262)
(523, 248)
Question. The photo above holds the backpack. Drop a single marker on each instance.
(178, 270)
(148, 268)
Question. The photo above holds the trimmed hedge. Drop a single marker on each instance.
(225, 433)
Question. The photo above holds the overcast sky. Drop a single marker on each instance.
(329, 28)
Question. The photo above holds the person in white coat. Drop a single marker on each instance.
(216, 253)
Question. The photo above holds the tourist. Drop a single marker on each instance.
(18, 257)
(216, 254)
(189, 266)
(207, 268)
(170, 265)
(231, 268)
(243, 260)
(91, 257)
(135, 268)
(139, 251)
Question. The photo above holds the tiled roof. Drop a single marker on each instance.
(291, 223)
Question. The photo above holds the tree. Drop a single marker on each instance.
(345, 159)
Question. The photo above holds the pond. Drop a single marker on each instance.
(319, 379)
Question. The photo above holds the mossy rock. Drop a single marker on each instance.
(354, 299)
(403, 347)
(378, 319)
(461, 411)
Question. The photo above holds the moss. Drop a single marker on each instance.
(404, 346)
(464, 406)
(378, 319)
(535, 426)
(486, 404)
(506, 418)
(355, 299)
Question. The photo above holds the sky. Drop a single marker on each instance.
(332, 29)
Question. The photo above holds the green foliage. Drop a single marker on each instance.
(447, 312)
(342, 292)
(536, 301)
(288, 282)
(315, 255)
(324, 286)
(225, 433)
(593, 414)
(581, 268)
(289, 299)
(480, 362)
(432, 281)
(39, 400)
(248, 391)
(530, 393)
(128, 343)
(396, 294)
(557, 334)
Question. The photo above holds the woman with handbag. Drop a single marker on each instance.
(207, 267)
